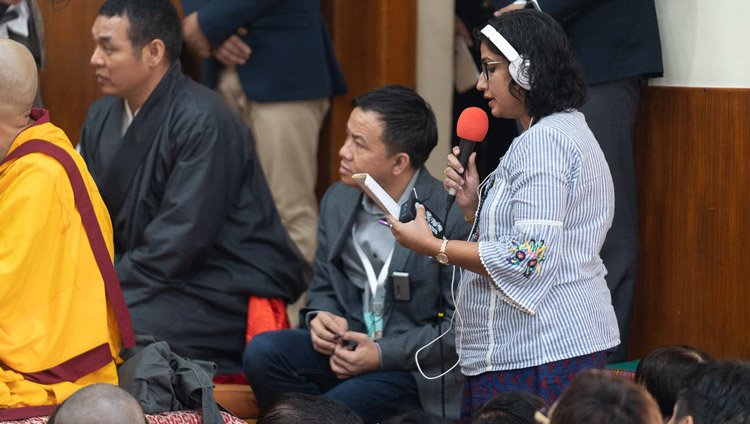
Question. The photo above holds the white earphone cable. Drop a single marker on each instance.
(480, 188)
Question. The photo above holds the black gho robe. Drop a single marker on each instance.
(195, 228)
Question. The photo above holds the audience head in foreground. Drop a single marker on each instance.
(664, 370)
(599, 397)
(516, 407)
(300, 408)
(99, 403)
(717, 393)
(417, 417)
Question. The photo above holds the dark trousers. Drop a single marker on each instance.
(611, 113)
(283, 361)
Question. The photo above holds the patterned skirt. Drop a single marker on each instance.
(546, 380)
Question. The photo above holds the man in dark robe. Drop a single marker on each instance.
(196, 230)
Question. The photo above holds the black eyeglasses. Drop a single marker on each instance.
(486, 70)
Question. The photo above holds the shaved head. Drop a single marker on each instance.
(99, 403)
(18, 79)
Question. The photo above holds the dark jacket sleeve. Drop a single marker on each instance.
(561, 10)
(220, 19)
(196, 200)
(320, 293)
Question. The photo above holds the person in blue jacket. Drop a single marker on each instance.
(274, 63)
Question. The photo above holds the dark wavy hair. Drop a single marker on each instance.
(149, 20)
(409, 124)
(515, 407)
(301, 408)
(717, 392)
(597, 396)
(664, 370)
(557, 82)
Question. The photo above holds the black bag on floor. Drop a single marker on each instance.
(163, 381)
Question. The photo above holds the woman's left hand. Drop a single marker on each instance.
(415, 235)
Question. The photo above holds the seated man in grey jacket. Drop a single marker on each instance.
(372, 304)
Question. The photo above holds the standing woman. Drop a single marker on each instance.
(534, 309)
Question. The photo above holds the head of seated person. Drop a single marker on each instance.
(717, 392)
(18, 85)
(663, 371)
(517, 407)
(389, 135)
(135, 42)
(99, 403)
(416, 417)
(300, 408)
(598, 397)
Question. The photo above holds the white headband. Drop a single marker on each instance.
(516, 67)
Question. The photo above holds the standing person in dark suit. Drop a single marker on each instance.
(617, 44)
(273, 62)
(354, 298)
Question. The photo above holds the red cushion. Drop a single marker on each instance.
(264, 314)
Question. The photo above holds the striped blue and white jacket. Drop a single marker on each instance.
(540, 225)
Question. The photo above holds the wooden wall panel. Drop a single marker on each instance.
(68, 84)
(692, 149)
(375, 43)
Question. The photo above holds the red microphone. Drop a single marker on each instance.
(471, 128)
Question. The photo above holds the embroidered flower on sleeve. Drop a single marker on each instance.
(529, 254)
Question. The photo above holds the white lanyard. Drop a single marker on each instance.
(375, 282)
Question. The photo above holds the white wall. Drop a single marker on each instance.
(704, 43)
(435, 27)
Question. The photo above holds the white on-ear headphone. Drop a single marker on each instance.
(518, 66)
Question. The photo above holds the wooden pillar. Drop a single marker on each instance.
(691, 154)
(375, 43)
(68, 83)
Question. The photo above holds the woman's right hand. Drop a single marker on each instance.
(466, 187)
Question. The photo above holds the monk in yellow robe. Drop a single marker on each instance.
(58, 331)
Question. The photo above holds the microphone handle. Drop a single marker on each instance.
(466, 147)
